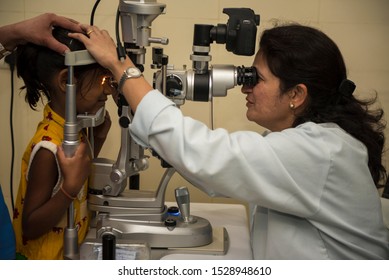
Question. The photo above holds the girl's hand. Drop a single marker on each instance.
(76, 169)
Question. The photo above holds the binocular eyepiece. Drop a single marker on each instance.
(247, 76)
(181, 85)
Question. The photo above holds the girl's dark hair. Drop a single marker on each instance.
(304, 55)
(38, 65)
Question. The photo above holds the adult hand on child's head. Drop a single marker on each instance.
(38, 30)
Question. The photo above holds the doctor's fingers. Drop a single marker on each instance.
(90, 30)
(99, 44)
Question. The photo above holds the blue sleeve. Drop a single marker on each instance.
(7, 236)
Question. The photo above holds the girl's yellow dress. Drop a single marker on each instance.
(49, 135)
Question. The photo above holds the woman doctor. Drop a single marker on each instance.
(311, 181)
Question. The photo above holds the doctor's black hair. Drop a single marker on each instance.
(299, 54)
(38, 66)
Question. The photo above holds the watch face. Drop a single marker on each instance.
(133, 72)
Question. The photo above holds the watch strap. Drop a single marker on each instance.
(124, 78)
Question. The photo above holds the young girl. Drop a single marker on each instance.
(45, 194)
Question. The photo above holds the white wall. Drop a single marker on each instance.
(360, 27)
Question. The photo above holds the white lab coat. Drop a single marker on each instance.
(310, 189)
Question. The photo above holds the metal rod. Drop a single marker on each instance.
(70, 143)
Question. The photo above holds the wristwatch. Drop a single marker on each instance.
(3, 51)
(130, 72)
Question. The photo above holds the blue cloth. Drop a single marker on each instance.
(7, 236)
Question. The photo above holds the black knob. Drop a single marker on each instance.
(109, 247)
(170, 222)
(173, 211)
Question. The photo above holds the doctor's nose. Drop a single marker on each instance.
(246, 89)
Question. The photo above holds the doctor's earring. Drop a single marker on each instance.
(291, 106)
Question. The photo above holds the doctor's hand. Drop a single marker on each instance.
(101, 46)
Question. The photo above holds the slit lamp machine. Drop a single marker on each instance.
(121, 211)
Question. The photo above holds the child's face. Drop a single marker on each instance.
(94, 92)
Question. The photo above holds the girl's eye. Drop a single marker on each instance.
(110, 81)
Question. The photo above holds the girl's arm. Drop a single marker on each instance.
(41, 210)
